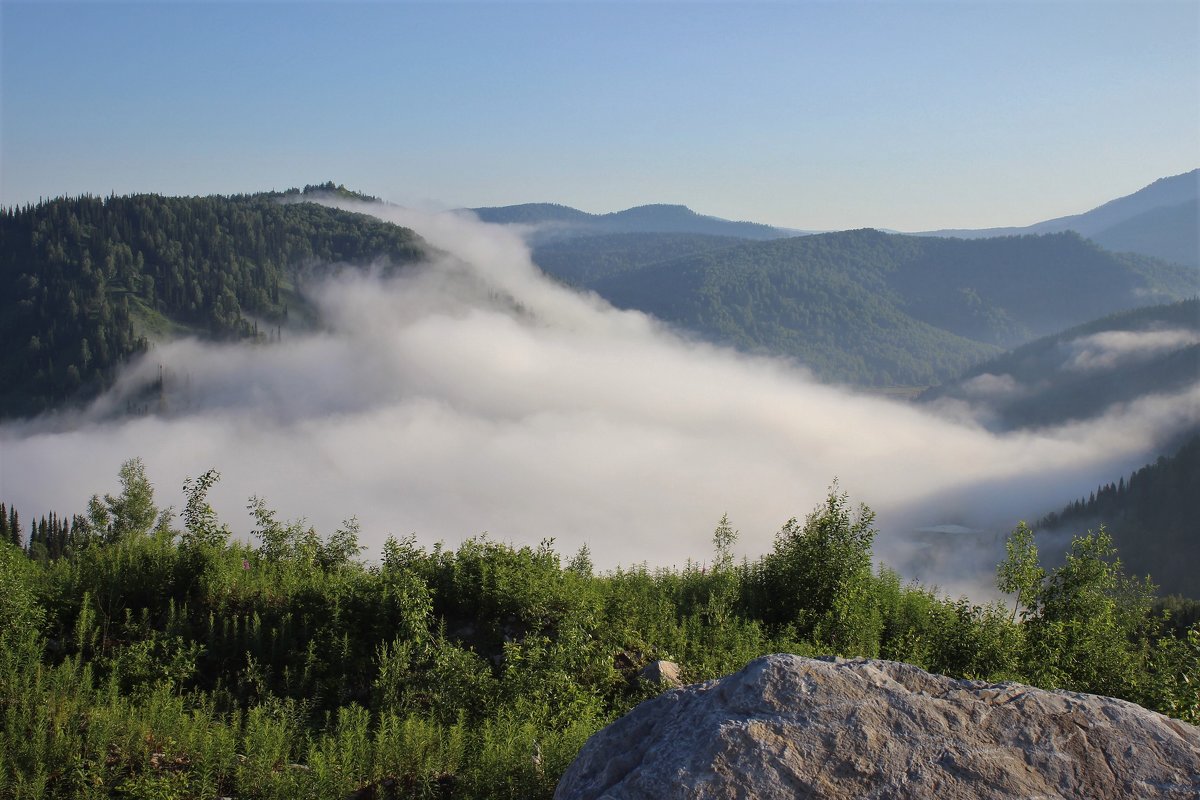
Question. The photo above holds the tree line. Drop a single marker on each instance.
(158, 656)
(1152, 517)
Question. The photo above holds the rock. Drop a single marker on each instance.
(662, 673)
(794, 727)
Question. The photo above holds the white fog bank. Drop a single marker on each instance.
(473, 394)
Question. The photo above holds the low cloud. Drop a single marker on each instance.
(1108, 349)
(472, 394)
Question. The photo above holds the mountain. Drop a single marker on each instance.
(1169, 233)
(1159, 220)
(1151, 517)
(864, 306)
(1079, 373)
(87, 283)
(581, 261)
(557, 222)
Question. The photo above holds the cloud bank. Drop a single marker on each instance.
(1107, 349)
(473, 394)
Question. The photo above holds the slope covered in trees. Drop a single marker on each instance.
(564, 221)
(88, 282)
(1152, 519)
(874, 308)
(584, 261)
(1078, 373)
(154, 661)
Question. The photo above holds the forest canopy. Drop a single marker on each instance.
(90, 282)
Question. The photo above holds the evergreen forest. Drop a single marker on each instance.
(89, 282)
(149, 654)
(1151, 517)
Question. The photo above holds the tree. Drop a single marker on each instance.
(131, 513)
(199, 519)
(1020, 573)
(1087, 629)
(818, 575)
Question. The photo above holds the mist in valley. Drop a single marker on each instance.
(471, 394)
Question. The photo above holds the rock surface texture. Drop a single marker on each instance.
(794, 727)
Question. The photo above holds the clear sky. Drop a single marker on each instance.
(810, 115)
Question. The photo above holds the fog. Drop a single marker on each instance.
(472, 394)
(1107, 349)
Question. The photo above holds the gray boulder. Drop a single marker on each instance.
(664, 674)
(794, 727)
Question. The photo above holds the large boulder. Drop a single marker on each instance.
(796, 727)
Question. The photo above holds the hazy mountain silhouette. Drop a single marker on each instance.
(1159, 220)
(559, 221)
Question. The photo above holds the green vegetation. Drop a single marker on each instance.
(560, 221)
(138, 659)
(1152, 519)
(87, 283)
(866, 307)
(1048, 391)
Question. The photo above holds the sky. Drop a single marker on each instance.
(811, 115)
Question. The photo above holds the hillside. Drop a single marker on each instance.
(557, 221)
(1151, 517)
(1078, 373)
(875, 308)
(1170, 233)
(584, 260)
(89, 282)
(1159, 220)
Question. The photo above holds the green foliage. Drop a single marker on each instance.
(1087, 624)
(130, 514)
(1151, 516)
(864, 306)
(200, 521)
(185, 665)
(818, 577)
(1021, 573)
(86, 282)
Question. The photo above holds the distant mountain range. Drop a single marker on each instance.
(558, 222)
(1161, 220)
(86, 282)
(866, 307)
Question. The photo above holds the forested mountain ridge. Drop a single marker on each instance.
(87, 282)
(563, 221)
(870, 307)
(583, 261)
(1151, 517)
(1079, 372)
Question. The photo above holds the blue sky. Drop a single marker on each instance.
(810, 115)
